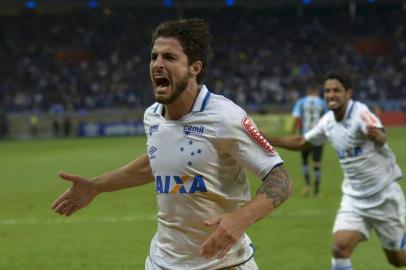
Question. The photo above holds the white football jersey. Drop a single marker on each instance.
(368, 168)
(198, 163)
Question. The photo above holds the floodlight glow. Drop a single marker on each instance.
(306, 2)
(230, 3)
(31, 4)
(168, 3)
(93, 4)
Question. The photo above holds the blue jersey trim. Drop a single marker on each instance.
(235, 265)
(350, 110)
(276, 165)
(403, 243)
(204, 103)
(156, 108)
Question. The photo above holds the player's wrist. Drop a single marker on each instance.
(96, 185)
(247, 215)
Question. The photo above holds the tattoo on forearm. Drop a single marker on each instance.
(276, 186)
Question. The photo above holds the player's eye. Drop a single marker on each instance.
(170, 57)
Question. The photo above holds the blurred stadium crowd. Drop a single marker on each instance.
(99, 59)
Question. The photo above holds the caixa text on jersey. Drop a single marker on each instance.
(180, 184)
(350, 152)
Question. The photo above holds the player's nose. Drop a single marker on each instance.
(158, 62)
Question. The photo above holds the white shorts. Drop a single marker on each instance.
(383, 212)
(250, 265)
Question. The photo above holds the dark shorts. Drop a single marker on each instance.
(316, 151)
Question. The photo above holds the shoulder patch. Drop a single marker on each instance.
(254, 133)
(368, 118)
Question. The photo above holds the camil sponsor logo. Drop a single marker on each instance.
(180, 184)
(188, 130)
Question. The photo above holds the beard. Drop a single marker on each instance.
(179, 88)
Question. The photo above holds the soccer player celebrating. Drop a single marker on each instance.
(198, 144)
(372, 198)
(307, 111)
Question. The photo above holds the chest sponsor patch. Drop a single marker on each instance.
(189, 130)
(179, 184)
(254, 133)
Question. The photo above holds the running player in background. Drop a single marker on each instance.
(372, 198)
(307, 112)
(198, 146)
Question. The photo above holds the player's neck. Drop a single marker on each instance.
(339, 114)
(183, 104)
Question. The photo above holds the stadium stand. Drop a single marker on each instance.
(87, 60)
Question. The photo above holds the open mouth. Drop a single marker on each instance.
(161, 82)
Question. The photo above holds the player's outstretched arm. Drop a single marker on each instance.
(83, 190)
(275, 189)
(290, 142)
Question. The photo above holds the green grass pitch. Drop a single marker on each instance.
(115, 230)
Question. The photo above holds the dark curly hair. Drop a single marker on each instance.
(194, 37)
(343, 77)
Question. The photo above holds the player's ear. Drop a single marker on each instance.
(196, 67)
(349, 93)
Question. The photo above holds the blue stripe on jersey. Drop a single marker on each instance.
(403, 243)
(204, 103)
(156, 108)
(350, 110)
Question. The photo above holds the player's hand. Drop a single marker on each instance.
(80, 194)
(372, 132)
(376, 134)
(229, 228)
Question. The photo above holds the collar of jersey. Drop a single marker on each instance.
(350, 108)
(199, 105)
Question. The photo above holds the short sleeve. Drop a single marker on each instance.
(244, 142)
(297, 109)
(148, 114)
(316, 135)
(367, 118)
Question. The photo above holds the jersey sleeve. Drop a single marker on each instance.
(367, 118)
(147, 118)
(316, 135)
(297, 108)
(146, 122)
(243, 141)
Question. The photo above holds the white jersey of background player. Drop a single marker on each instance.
(198, 164)
(367, 168)
(198, 144)
(372, 197)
